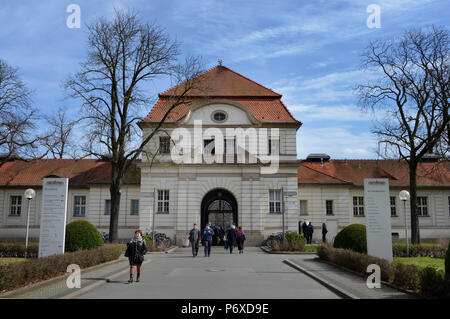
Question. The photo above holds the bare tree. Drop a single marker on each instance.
(60, 142)
(410, 99)
(18, 137)
(123, 55)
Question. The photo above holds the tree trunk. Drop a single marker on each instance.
(415, 232)
(115, 204)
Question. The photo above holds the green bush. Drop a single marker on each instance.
(406, 276)
(352, 237)
(18, 250)
(292, 242)
(81, 234)
(36, 269)
(447, 263)
(399, 250)
(433, 284)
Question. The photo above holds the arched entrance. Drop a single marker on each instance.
(219, 207)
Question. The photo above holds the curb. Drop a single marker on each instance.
(339, 291)
(51, 280)
(100, 283)
(362, 276)
(269, 251)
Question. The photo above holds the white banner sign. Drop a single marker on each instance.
(378, 218)
(53, 217)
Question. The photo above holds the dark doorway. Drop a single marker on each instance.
(219, 207)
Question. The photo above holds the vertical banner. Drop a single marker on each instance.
(378, 218)
(53, 216)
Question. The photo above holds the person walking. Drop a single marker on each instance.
(136, 249)
(231, 238)
(310, 231)
(305, 229)
(194, 238)
(324, 233)
(207, 237)
(240, 238)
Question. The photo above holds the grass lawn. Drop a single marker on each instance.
(7, 260)
(422, 262)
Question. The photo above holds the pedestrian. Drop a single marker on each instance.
(194, 238)
(207, 237)
(240, 238)
(324, 233)
(304, 228)
(136, 249)
(231, 238)
(310, 231)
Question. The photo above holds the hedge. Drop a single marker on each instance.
(33, 270)
(428, 282)
(399, 250)
(292, 242)
(18, 249)
(447, 263)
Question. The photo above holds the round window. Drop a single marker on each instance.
(219, 116)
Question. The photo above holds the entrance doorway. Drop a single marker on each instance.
(219, 208)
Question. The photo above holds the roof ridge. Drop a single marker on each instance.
(340, 179)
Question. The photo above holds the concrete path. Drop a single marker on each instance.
(253, 275)
(347, 282)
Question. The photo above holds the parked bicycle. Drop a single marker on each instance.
(161, 239)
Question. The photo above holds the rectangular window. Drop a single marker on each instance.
(273, 146)
(422, 206)
(275, 201)
(393, 206)
(164, 145)
(358, 206)
(329, 207)
(107, 207)
(163, 201)
(79, 206)
(208, 147)
(135, 207)
(303, 207)
(15, 208)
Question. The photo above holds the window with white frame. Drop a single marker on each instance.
(79, 206)
(135, 207)
(358, 206)
(329, 207)
(163, 201)
(275, 201)
(393, 206)
(422, 206)
(107, 207)
(15, 205)
(303, 207)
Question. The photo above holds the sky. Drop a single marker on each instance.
(308, 51)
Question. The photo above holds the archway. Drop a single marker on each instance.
(219, 207)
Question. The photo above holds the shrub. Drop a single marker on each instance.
(18, 250)
(399, 250)
(81, 234)
(406, 276)
(292, 242)
(433, 284)
(447, 263)
(352, 237)
(37, 269)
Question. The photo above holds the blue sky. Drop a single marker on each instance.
(309, 51)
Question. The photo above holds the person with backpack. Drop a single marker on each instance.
(207, 238)
(136, 249)
(240, 238)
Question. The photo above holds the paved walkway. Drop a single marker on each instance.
(253, 275)
(351, 283)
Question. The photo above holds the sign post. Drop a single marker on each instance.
(378, 218)
(53, 217)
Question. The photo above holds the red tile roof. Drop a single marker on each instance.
(222, 83)
(353, 172)
(80, 172)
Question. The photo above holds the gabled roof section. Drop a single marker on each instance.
(220, 81)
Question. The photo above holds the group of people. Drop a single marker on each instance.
(232, 238)
(308, 229)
